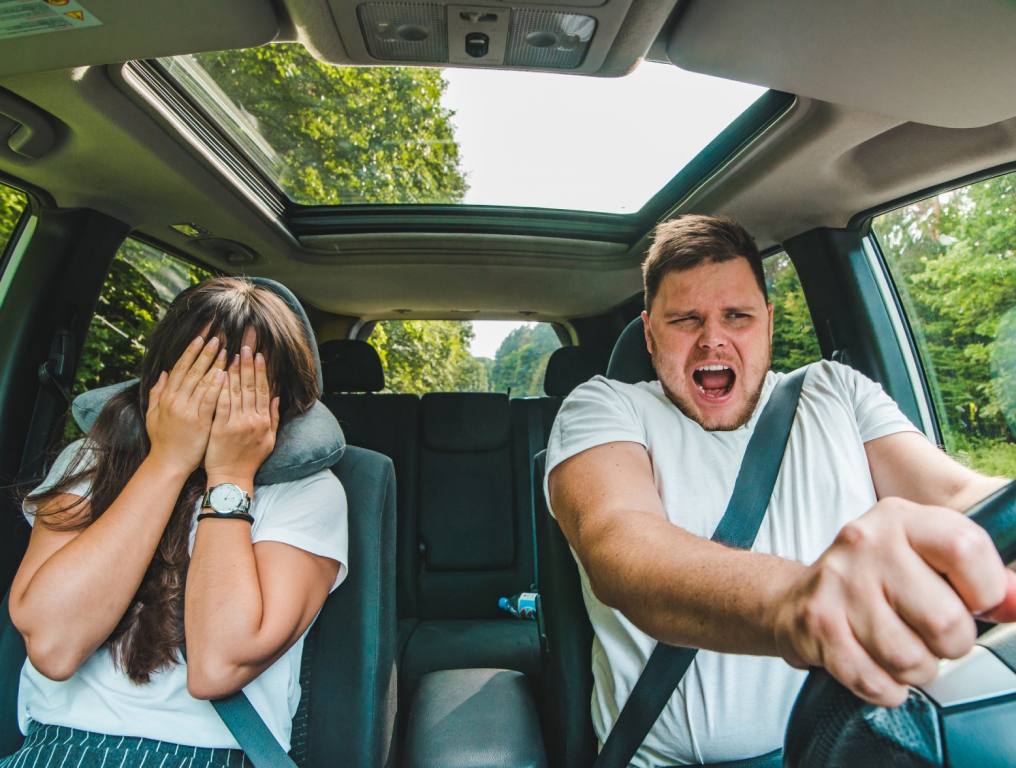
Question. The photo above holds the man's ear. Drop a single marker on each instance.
(647, 332)
(769, 309)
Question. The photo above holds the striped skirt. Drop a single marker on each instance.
(56, 746)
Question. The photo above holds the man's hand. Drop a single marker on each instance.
(246, 421)
(893, 594)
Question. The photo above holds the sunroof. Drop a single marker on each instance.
(331, 135)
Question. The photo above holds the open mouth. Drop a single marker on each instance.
(714, 382)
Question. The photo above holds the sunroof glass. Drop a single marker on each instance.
(331, 135)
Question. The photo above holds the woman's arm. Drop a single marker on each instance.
(73, 587)
(245, 603)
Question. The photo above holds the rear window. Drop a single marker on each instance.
(420, 356)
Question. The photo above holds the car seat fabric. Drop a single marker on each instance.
(630, 361)
(351, 365)
(570, 366)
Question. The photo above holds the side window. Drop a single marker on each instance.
(420, 356)
(794, 340)
(142, 281)
(952, 258)
(12, 204)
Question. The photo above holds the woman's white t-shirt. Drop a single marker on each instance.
(309, 514)
(727, 706)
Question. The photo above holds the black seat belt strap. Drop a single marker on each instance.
(738, 527)
(534, 444)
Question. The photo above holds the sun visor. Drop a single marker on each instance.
(939, 62)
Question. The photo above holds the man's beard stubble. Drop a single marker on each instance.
(739, 421)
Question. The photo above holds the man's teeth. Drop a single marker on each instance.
(713, 368)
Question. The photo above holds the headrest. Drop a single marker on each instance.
(570, 366)
(304, 445)
(630, 361)
(465, 421)
(294, 304)
(351, 366)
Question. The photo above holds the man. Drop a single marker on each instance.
(862, 564)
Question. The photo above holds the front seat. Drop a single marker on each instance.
(347, 706)
(567, 681)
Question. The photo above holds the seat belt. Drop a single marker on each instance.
(251, 732)
(738, 527)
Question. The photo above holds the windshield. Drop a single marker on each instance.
(346, 135)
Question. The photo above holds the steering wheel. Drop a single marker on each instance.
(965, 718)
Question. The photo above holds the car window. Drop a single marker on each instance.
(952, 258)
(794, 340)
(420, 356)
(12, 204)
(142, 281)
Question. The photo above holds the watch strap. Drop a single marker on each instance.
(228, 516)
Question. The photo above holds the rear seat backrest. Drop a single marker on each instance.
(474, 545)
(385, 423)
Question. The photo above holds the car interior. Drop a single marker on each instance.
(861, 109)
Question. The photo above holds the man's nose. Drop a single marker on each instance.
(712, 335)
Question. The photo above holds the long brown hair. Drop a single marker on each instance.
(150, 634)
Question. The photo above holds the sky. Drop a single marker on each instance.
(488, 336)
(586, 143)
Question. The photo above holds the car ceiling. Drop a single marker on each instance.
(890, 101)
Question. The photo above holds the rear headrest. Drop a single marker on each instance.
(304, 445)
(630, 361)
(351, 366)
(465, 421)
(570, 366)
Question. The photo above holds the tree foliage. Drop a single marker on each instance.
(521, 360)
(12, 204)
(345, 134)
(421, 356)
(794, 342)
(954, 263)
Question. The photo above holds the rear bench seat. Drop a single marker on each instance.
(465, 521)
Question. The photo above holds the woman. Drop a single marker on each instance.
(143, 545)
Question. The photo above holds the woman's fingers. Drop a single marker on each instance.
(274, 417)
(184, 363)
(156, 391)
(211, 394)
(262, 396)
(235, 392)
(247, 385)
(197, 374)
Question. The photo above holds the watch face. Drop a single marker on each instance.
(226, 497)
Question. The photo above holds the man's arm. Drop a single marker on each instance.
(908, 466)
(892, 595)
(675, 586)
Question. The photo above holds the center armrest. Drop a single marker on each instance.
(474, 718)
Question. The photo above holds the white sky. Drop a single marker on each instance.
(586, 143)
(489, 335)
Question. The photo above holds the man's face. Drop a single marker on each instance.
(709, 331)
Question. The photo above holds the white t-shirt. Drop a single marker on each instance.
(309, 514)
(727, 706)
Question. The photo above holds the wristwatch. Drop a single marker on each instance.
(226, 500)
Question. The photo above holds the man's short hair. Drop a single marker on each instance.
(693, 239)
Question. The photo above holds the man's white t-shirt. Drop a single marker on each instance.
(309, 514)
(727, 706)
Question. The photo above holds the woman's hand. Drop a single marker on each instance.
(246, 421)
(182, 404)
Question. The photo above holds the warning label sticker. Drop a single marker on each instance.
(34, 17)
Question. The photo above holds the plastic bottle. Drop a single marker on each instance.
(521, 606)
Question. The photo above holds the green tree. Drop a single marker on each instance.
(12, 204)
(521, 360)
(954, 264)
(344, 134)
(420, 356)
(794, 342)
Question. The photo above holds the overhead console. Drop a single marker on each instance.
(569, 35)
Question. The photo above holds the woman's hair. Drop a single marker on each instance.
(150, 634)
